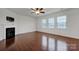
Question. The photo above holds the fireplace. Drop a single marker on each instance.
(10, 33)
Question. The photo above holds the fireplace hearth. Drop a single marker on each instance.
(10, 32)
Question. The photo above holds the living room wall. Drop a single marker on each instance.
(72, 29)
(23, 24)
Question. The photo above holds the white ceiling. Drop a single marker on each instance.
(28, 11)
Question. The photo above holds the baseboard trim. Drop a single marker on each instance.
(25, 33)
(59, 35)
(50, 34)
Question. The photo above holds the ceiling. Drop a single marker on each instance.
(28, 11)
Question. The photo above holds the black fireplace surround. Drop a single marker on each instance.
(10, 32)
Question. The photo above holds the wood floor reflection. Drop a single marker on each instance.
(38, 41)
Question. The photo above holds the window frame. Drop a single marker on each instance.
(51, 25)
(65, 24)
(44, 25)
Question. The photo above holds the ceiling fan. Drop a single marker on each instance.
(38, 11)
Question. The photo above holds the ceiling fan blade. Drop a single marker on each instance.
(33, 12)
(34, 9)
(41, 8)
(42, 12)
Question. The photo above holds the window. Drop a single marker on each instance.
(61, 22)
(51, 23)
(44, 23)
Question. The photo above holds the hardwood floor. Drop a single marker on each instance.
(38, 41)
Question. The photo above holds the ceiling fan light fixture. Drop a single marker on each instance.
(38, 11)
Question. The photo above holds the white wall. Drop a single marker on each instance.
(22, 24)
(72, 24)
(25, 24)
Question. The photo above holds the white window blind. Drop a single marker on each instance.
(51, 23)
(44, 23)
(61, 22)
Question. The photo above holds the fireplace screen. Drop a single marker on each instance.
(10, 33)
